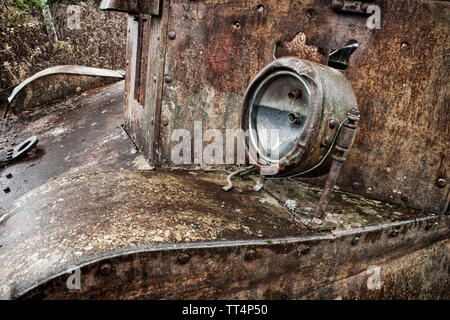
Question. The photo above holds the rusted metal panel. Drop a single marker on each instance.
(178, 235)
(297, 269)
(398, 74)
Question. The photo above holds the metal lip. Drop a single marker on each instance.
(252, 108)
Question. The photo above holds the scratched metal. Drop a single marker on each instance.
(399, 75)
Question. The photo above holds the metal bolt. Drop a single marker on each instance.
(172, 35)
(236, 25)
(260, 8)
(168, 79)
(355, 240)
(164, 121)
(332, 124)
(183, 258)
(404, 198)
(106, 269)
(441, 183)
(404, 45)
(311, 13)
(250, 255)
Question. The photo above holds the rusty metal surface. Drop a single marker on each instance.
(78, 135)
(78, 218)
(299, 270)
(144, 223)
(398, 74)
(408, 252)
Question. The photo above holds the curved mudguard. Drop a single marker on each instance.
(139, 234)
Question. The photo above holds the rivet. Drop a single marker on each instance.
(236, 25)
(311, 13)
(183, 258)
(404, 45)
(355, 240)
(172, 35)
(260, 8)
(441, 183)
(164, 121)
(369, 189)
(250, 255)
(332, 124)
(106, 269)
(168, 79)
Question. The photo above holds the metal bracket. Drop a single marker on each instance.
(343, 146)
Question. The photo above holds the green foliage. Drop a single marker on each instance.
(22, 5)
(39, 4)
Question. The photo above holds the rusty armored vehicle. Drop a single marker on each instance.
(256, 149)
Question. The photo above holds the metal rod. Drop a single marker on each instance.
(343, 146)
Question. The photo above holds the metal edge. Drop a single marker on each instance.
(69, 69)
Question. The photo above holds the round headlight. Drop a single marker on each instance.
(292, 113)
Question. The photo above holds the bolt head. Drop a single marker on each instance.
(172, 35)
(168, 79)
(441, 183)
(250, 255)
(332, 124)
(106, 269)
(183, 258)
